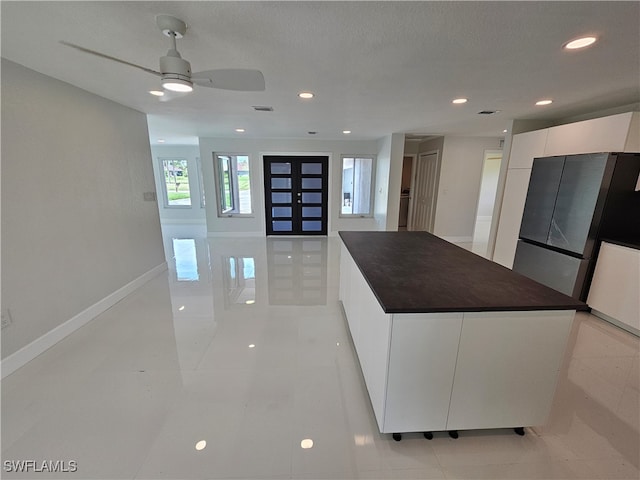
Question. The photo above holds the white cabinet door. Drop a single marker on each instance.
(422, 361)
(374, 338)
(606, 134)
(370, 330)
(507, 368)
(527, 146)
(615, 288)
(515, 196)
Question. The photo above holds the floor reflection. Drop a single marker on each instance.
(190, 285)
(186, 261)
(187, 359)
(297, 271)
(596, 409)
(239, 276)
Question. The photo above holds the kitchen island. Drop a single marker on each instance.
(448, 340)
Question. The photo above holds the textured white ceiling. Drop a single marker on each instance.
(376, 67)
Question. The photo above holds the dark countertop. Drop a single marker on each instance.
(417, 272)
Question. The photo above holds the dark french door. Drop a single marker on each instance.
(296, 195)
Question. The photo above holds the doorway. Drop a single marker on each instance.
(424, 192)
(296, 195)
(405, 190)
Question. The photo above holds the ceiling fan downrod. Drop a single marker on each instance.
(176, 71)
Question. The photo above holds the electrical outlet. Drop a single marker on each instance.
(6, 318)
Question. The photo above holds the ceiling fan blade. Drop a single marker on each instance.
(239, 79)
(108, 57)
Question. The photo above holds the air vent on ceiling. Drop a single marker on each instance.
(487, 112)
(262, 108)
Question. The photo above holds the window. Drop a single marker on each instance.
(233, 184)
(176, 182)
(357, 175)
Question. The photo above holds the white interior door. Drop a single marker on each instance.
(424, 192)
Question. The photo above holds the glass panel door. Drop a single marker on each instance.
(296, 195)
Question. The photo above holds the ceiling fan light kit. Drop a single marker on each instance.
(176, 84)
(175, 72)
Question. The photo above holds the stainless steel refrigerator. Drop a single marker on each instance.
(573, 202)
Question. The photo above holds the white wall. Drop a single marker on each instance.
(193, 214)
(255, 148)
(381, 192)
(488, 186)
(459, 187)
(75, 227)
(388, 181)
(395, 181)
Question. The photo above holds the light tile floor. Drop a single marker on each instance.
(242, 344)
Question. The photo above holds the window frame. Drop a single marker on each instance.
(201, 183)
(163, 181)
(372, 186)
(222, 209)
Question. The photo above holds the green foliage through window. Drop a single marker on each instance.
(176, 180)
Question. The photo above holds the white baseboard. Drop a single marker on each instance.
(235, 234)
(27, 353)
(333, 233)
(616, 322)
(183, 221)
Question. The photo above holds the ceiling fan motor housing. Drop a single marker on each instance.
(173, 66)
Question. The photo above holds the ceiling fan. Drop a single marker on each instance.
(175, 72)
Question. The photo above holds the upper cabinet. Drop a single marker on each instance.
(606, 134)
(526, 146)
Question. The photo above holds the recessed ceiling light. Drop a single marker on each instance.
(580, 43)
(156, 93)
(161, 140)
(305, 95)
(544, 102)
(306, 443)
(240, 130)
(346, 132)
(201, 445)
(252, 346)
(458, 101)
(504, 131)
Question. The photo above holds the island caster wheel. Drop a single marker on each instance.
(428, 435)
(397, 437)
(519, 431)
(453, 433)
